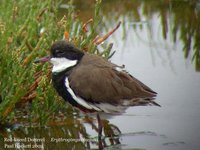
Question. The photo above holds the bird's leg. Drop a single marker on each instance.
(99, 131)
(99, 125)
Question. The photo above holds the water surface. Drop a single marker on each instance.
(156, 52)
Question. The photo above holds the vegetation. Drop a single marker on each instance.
(28, 29)
(176, 25)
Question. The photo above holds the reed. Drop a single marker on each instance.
(27, 29)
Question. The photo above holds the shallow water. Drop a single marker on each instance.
(152, 43)
(176, 124)
(151, 55)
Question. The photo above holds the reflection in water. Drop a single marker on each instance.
(180, 20)
(68, 132)
(72, 134)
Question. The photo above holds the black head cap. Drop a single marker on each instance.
(65, 49)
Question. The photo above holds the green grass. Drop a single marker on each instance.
(21, 43)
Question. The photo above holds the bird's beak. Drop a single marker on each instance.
(43, 59)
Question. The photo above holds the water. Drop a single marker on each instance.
(157, 60)
(161, 66)
(156, 44)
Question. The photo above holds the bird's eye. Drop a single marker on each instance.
(59, 52)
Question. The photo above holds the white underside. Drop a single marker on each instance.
(108, 108)
(60, 64)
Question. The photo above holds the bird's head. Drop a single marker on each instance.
(62, 55)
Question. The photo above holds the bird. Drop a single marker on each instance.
(92, 83)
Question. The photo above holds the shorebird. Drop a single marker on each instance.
(93, 84)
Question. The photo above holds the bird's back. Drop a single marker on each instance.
(98, 81)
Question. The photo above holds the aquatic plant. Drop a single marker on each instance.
(27, 29)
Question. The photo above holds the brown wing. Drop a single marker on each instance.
(97, 81)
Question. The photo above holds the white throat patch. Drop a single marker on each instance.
(60, 64)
